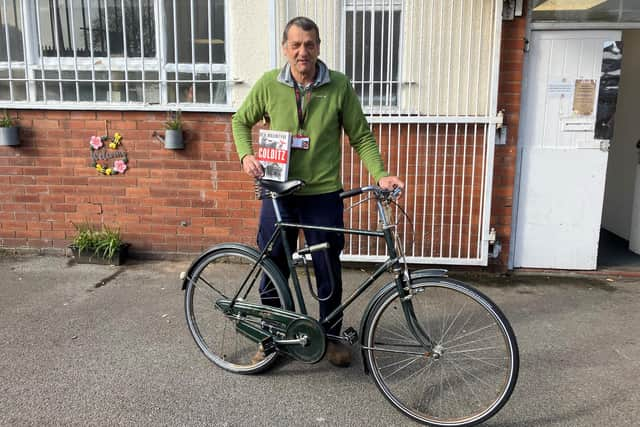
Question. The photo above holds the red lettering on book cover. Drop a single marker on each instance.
(272, 155)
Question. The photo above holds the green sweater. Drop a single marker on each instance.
(332, 105)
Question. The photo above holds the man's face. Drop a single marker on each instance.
(302, 50)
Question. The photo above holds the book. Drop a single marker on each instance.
(274, 149)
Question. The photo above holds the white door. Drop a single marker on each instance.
(563, 166)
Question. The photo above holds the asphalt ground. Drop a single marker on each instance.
(104, 345)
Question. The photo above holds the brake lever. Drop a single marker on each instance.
(397, 191)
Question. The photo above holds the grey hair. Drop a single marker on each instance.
(303, 22)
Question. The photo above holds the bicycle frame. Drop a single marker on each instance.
(392, 264)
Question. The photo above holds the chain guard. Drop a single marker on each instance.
(316, 344)
(262, 323)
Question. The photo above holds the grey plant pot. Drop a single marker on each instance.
(89, 257)
(173, 139)
(9, 136)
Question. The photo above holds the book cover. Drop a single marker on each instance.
(274, 148)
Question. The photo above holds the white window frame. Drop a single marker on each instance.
(35, 61)
(369, 7)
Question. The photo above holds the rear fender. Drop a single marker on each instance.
(186, 275)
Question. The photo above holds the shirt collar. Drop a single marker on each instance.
(322, 76)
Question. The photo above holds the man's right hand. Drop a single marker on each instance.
(252, 167)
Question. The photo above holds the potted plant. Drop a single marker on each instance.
(173, 139)
(104, 245)
(8, 130)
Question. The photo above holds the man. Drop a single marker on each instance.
(314, 104)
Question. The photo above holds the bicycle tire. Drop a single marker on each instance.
(218, 274)
(473, 369)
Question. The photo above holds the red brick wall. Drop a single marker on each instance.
(167, 201)
(176, 201)
(509, 94)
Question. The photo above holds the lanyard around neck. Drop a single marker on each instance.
(302, 112)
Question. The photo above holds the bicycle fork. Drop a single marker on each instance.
(403, 284)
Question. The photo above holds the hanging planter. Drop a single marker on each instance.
(9, 135)
(173, 138)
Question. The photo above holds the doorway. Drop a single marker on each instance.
(618, 216)
(562, 161)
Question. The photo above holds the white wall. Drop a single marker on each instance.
(250, 48)
(623, 155)
(442, 72)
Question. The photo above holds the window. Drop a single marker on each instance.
(590, 11)
(112, 51)
(372, 50)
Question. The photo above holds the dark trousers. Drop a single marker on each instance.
(324, 210)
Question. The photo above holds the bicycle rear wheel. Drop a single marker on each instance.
(471, 371)
(218, 275)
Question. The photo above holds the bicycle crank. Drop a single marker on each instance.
(276, 329)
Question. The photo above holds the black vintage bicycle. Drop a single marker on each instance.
(440, 351)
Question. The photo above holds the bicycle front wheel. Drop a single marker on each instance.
(468, 375)
(219, 275)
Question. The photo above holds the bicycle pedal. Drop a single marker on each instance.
(267, 346)
(350, 335)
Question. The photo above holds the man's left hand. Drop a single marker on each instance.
(390, 182)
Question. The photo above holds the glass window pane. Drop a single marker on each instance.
(375, 83)
(586, 11)
(51, 85)
(69, 87)
(85, 87)
(64, 24)
(11, 24)
(152, 87)
(202, 44)
(202, 91)
(19, 87)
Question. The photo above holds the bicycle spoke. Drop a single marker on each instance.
(397, 362)
(388, 350)
(202, 279)
(466, 374)
(483, 360)
(469, 386)
(444, 334)
(220, 274)
(469, 334)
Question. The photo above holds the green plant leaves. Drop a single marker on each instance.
(103, 242)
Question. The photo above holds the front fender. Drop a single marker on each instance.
(185, 276)
(390, 287)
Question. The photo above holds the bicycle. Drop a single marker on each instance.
(440, 351)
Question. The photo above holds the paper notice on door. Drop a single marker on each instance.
(559, 88)
(584, 96)
(577, 124)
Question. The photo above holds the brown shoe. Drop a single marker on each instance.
(338, 354)
(258, 357)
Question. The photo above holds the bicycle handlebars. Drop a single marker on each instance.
(379, 193)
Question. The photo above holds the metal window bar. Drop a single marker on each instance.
(5, 18)
(108, 40)
(56, 38)
(70, 28)
(124, 51)
(175, 47)
(193, 53)
(75, 53)
(144, 75)
(93, 63)
(210, 51)
(29, 87)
